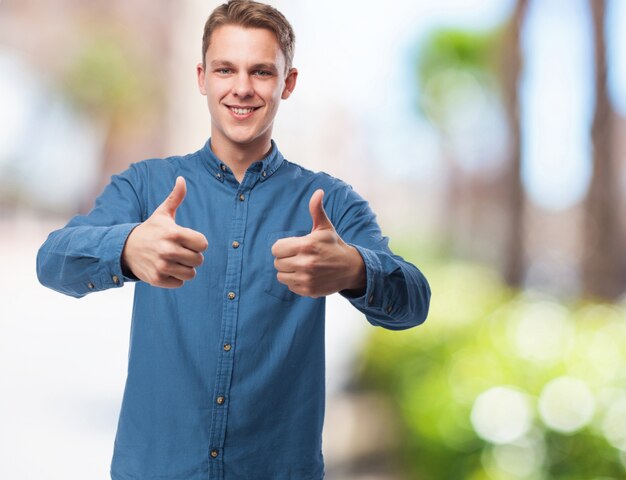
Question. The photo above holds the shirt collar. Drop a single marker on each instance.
(263, 168)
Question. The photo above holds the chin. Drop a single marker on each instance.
(244, 138)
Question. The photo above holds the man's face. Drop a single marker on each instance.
(244, 81)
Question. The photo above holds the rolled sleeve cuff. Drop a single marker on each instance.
(110, 274)
(372, 298)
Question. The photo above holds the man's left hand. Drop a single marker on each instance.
(319, 263)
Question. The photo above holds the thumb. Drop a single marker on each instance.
(318, 214)
(171, 203)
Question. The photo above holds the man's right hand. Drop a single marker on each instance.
(161, 253)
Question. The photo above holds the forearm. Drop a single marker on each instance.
(77, 260)
(84, 256)
(397, 295)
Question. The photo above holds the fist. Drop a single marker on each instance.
(159, 251)
(319, 263)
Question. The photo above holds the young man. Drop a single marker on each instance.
(226, 363)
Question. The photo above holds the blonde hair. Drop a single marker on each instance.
(251, 14)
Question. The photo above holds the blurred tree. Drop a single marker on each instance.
(450, 61)
(511, 61)
(602, 263)
(453, 66)
(108, 80)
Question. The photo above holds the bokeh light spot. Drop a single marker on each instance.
(614, 424)
(566, 404)
(501, 415)
(521, 458)
(543, 330)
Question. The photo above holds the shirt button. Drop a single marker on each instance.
(227, 347)
(242, 197)
(91, 286)
(235, 244)
(214, 453)
(115, 279)
(220, 400)
(223, 167)
(389, 308)
(231, 295)
(218, 175)
(371, 299)
(263, 174)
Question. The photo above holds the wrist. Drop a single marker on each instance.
(127, 270)
(358, 279)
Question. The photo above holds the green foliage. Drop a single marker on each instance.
(459, 50)
(564, 365)
(455, 66)
(105, 78)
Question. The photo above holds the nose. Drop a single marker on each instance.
(242, 87)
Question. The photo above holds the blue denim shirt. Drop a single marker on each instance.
(224, 386)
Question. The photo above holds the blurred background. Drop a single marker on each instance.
(489, 137)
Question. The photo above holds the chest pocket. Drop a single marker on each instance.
(272, 286)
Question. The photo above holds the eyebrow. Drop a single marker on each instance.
(264, 66)
(256, 66)
(221, 63)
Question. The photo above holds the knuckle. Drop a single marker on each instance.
(169, 250)
(309, 266)
(160, 277)
(161, 267)
(309, 247)
(164, 249)
(305, 279)
(175, 234)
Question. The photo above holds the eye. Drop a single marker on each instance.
(263, 73)
(223, 71)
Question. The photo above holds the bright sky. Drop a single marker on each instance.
(359, 56)
(376, 46)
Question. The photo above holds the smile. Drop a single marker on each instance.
(242, 112)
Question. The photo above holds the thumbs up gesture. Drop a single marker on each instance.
(161, 253)
(319, 263)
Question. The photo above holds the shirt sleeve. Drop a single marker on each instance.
(85, 255)
(397, 295)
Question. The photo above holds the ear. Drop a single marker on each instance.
(201, 74)
(290, 83)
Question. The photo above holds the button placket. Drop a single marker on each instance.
(232, 292)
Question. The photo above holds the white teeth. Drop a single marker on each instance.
(241, 111)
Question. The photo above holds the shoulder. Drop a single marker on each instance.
(167, 167)
(340, 199)
(318, 179)
(174, 163)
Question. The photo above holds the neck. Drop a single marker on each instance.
(239, 157)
